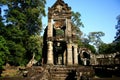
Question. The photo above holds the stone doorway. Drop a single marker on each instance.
(86, 58)
(59, 52)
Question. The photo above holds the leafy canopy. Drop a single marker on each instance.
(23, 24)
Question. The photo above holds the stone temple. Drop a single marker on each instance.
(59, 41)
(61, 57)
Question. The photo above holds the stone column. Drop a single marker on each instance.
(75, 54)
(50, 29)
(49, 42)
(69, 54)
(85, 61)
(68, 30)
(65, 56)
(50, 53)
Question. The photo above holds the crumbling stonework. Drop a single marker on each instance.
(58, 37)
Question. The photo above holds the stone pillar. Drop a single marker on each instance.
(85, 61)
(50, 53)
(65, 56)
(75, 54)
(69, 54)
(49, 42)
(50, 29)
(68, 30)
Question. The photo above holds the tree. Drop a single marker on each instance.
(90, 47)
(76, 23)
(109, 48)
(23, 21)
(1, 23)
(4, 51)
(17, 54)
(117, 37)
(35, 46)
(25, 14)
(13, 37)
(115, 45)
(0, 16)
(95, 38)
(86, 44)
(116, 42)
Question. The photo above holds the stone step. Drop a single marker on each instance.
(59, 78)
(63, 68)
(64, 78)
(60, 71)
(68, 73)
(59, 75)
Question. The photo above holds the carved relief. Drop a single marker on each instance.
(59, 9)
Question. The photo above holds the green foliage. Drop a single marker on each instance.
(103, 48)
(93, 41)
(117, 37)
(90, 47)
(34, 46)
(76, 23)
(95, 38)
(116, 46)
(12, 33)
(109, 48)
(85, 43)
(26, 14)
(23, 25)
(59, 32)
(4, 51)
(112, 47)
(17, 53)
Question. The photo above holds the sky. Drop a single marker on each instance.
(96, 15)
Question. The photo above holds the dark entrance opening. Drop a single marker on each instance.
(87, 57)
(59, 49)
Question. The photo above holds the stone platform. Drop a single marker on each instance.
(57, 72)
(60, 72)
(70, 72)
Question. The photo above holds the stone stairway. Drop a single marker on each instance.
(62, 73)
(57, 72)
(69, 72)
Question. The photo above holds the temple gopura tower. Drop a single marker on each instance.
(59, 45)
